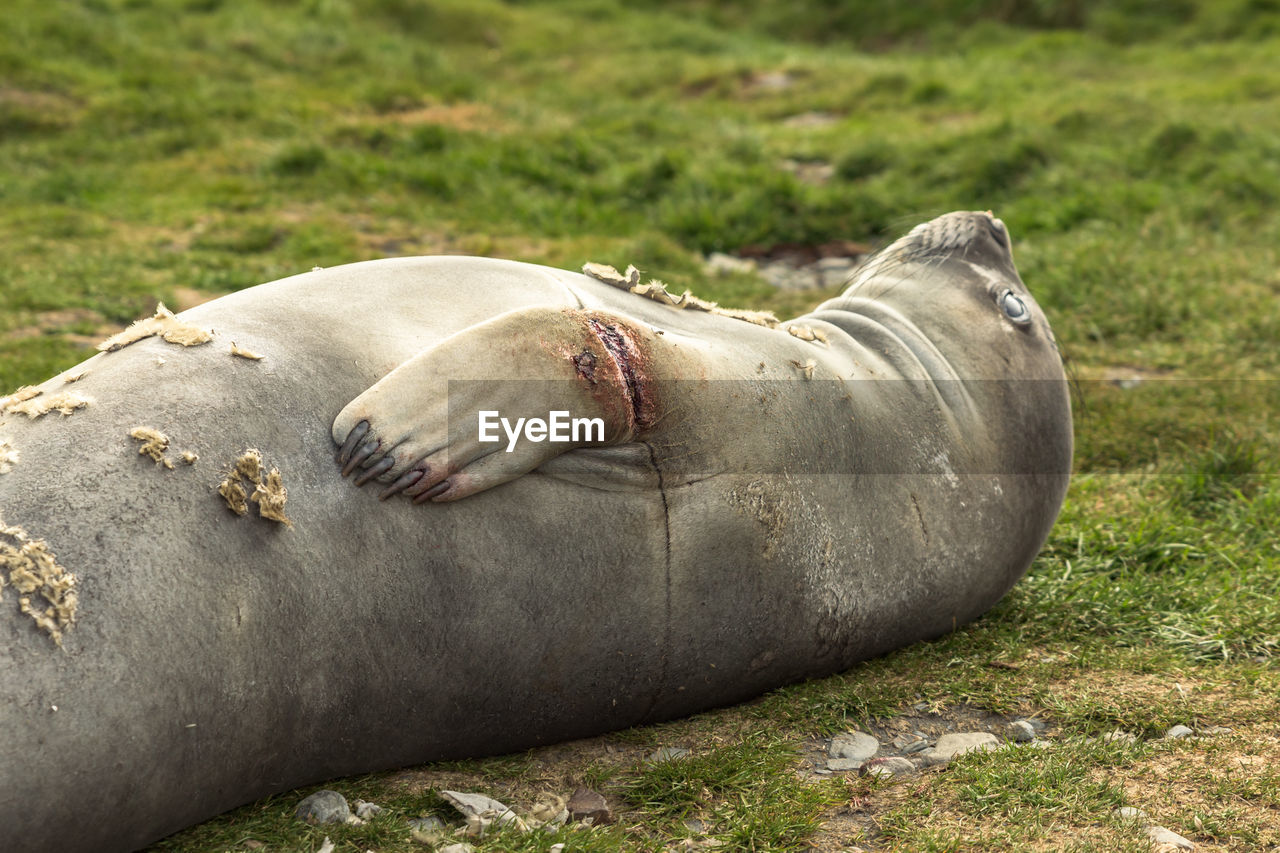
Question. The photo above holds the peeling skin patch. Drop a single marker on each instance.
(37, 405)
(249, 466)
(47, 591)
(807, 333)
(164, 324)
(270, 496)
(234, 494)
(657, 291)
(269, 491)
(26, 392)
(154, 444)
(244, 353)
(8, 456)
(805, 367)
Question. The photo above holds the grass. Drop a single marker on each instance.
(150, 148)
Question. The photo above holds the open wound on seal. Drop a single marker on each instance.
(46, 590)
(657, 291)
(269, 491)
(164, 324)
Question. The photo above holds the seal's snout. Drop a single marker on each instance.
(970, 232)
(998, 232)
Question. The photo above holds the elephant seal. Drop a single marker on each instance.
(200, 610)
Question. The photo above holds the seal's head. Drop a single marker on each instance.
(953, 280)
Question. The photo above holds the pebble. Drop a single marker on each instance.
(916, 746)
(1120, 737)
(586, 804)
(834, 271)
(1161, 836)
(1178, 732)
(324, 807)
(460, 847)
(885, 767)
(326, 847)
(840, 765)
(719, 265)
(1131, 813)
(1021, 731)
(953, 745)
(667, 753)
(784, 276)
(855, 746)
(811, 119)
(1215, 730)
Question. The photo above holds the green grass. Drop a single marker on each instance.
(151, 147)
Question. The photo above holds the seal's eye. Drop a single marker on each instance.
(1014, 308)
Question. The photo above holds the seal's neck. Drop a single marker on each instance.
(886, 334)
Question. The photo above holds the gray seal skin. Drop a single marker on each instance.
(763, 509)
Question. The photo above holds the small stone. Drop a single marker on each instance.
(697, 827)
(556, 848)
(1021, 731)
(833, 272)
(326, 847)
(916, 746)
(1215, 730)
(1161, 836)
(367, 810)
(1118, 736)
(586, 803)
(460, 847)
(772, 81)
(885, 767)
(254, 844)
(810, 119)
(1131, 813)
(667, 753)
(920, 706)
(1178, 732)
(953, 745)
(324, 807)
(857, 746)
(841, 765)
(719, 265)
(1038, 725)
(786, 277)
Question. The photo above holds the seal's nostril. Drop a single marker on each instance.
(998, 231)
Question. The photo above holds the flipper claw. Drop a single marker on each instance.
(384, 464)
(364, 452)
(353, 438)
(406, 480)
(438, 489)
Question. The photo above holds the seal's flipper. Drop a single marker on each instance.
(440, 426)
